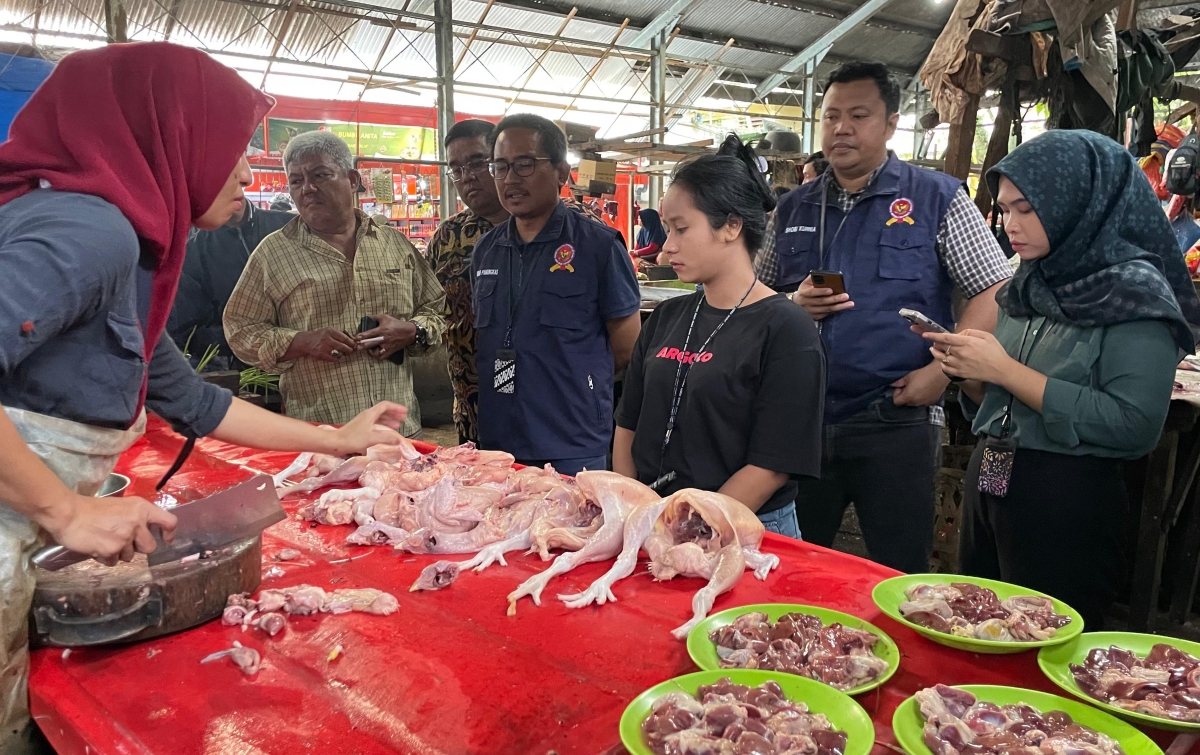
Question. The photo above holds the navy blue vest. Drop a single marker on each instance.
(562, 407)
(886, 248)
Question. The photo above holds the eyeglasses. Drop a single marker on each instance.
(472, 168)
(522, 166)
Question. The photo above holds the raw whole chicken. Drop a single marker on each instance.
(694, 533)
(617, 496)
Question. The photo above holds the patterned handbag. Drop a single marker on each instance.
(995, 470)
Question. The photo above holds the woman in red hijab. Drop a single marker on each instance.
(112, 161)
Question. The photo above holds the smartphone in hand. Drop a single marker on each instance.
(921, 321)
(831, 279)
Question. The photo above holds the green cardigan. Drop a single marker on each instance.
(1108, 389)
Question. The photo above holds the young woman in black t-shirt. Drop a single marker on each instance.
(725, 388)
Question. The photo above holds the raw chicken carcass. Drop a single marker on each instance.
(692, 533)
(617, 496)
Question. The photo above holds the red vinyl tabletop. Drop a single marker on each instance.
(449, 672)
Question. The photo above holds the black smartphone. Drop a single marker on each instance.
(829, 279)
(370, 323)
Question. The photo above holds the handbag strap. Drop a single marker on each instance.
(1007, 420)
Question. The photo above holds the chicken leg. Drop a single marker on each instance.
(728, 566)
(638, 527)
(617, 496)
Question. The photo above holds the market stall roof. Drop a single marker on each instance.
(553, 55)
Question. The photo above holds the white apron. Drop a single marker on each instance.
(82, 457)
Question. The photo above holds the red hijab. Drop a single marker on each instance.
(152, 128)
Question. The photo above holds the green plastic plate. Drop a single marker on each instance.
(704, 652)
(889, 594)
(1055, 662)
(838, 707)
(908, 724)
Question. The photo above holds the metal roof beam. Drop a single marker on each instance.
(662, 22)
(562, 7)
(839, 10)
(824, 42)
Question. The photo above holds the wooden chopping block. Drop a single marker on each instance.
(93, 604)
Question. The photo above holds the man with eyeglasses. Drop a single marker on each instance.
(556, 310)
(468, 154)
(302, 304)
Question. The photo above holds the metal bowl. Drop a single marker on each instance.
(114, 486)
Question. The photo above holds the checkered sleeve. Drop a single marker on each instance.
(766, 262)
(968, 250)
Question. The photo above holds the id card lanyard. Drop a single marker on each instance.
(504, 375)
(681, 377)
(821, 234)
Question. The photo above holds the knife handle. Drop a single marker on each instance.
(55, 557)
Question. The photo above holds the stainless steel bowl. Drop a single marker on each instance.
(114, 486)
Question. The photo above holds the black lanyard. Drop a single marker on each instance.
(821, 235)
(514, 301)
(681, 377)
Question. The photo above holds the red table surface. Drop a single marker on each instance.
(450, 672)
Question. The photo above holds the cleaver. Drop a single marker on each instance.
(206, 524)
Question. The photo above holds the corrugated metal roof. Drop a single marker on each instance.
(329, 37)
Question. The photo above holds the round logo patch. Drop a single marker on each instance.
(563, 257)
(901, 209)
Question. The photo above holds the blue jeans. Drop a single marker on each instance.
(782, 521)
(570, 467)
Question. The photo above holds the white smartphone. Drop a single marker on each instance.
(372, 341)
(921, 321)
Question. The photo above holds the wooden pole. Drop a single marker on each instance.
(998, 145)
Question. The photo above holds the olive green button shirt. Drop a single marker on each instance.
(1107, 392)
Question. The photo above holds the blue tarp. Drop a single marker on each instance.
(18, 78)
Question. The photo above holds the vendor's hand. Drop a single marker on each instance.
(325, 345)
(971, 354)
(820, 302)
(397, 334)
(375, 426)
(108, 529)
(923, 387)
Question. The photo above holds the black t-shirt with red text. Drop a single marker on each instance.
(754, 396)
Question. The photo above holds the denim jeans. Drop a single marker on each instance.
(782, 521)
(570, 467)
(883, 460)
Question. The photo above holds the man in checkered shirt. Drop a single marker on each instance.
(901, 237)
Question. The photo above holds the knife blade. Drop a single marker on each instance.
(232, 515)
(243, 511)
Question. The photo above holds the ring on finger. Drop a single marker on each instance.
(335, 354)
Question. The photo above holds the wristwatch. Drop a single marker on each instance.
(422, 334)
